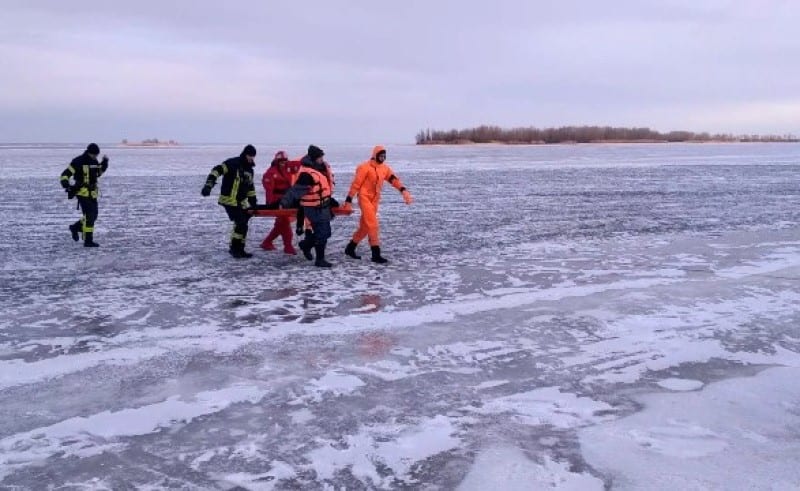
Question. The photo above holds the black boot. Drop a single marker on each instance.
(307, 244)
(321, 262)
(376, 255)
(350, 250)
(243, 252)
(74, 229)
(88, 240)
(237, 249)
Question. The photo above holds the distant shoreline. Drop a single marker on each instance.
(599, 142)
(583, 134)
(150, 143)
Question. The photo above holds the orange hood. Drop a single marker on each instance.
(375, 151)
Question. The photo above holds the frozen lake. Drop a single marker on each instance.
(559, 317)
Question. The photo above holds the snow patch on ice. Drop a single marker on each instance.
(400, 448)
(680, 384)
(733, 434)
(266, 481)
(508, 469)
(91, 435)
(778, 260)
(301, 416)
(547, 406)
(679, 439)
(489, 384)
(333, 382)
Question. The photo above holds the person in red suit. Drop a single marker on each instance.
(276, 180)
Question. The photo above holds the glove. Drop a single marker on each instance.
(347, 205)
(105, 160)
(407, 197)
(205, 191)
(334, 203)
(70, 192)
(299, 230)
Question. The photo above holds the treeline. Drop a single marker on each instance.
(580, 134)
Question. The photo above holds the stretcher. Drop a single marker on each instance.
(292, 212)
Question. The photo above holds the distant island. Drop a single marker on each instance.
(579, 134)
(150, 142)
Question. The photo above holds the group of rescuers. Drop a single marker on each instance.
(306, 185)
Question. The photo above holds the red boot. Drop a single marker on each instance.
(266, 244)
(284, 227)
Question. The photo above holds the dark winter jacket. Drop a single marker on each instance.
(86, 170)
(237, 188)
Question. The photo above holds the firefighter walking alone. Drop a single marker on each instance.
(86, 171)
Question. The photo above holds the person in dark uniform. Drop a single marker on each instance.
(313, 191)
(237, 195)
(86, 171)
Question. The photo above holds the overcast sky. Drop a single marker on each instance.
(364, 71)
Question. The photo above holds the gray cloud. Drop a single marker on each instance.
(359, 70)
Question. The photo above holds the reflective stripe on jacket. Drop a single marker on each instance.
(86, 171)
(237, 188)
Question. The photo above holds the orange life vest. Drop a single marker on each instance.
(319, 194)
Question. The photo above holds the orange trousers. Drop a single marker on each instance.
(368, 225)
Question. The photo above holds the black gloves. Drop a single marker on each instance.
(301, 218)
(334, 203)
(205, 191)
(70, 192)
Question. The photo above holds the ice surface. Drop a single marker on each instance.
(680, 384)
(565, 317)
(510, 470)
(734, 434)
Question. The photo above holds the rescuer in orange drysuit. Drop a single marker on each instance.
(367, 185)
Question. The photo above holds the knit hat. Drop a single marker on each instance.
(93, 149)
(281, 155)
(249, 151)
(314, 152)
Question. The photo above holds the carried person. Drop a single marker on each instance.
(277, 180)
(86, 172)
